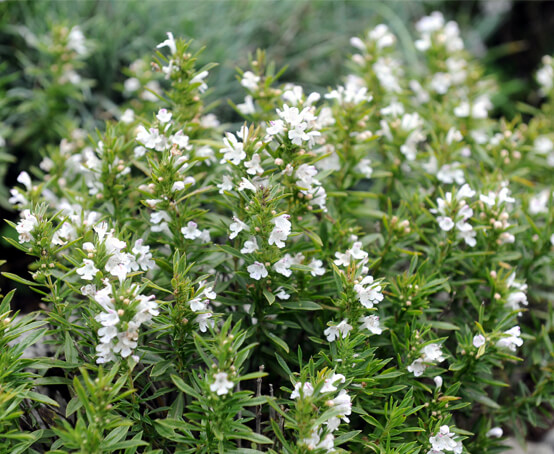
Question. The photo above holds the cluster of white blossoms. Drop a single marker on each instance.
(199, 303)
(453, 211)
(510, 339)
(281, 231)
(444, 442)
(300, 126)
(120, 326)
(161, 137)
(516, 293)
(368, 292)
(406, 125)
(192, 232)
(495, 207)
(310, 186)
(120, 318)
(430, 354)
(352, 93)
(434, 29)
(119, 263)
(25, 226)
(321, 436)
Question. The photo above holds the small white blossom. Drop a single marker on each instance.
(478, 340)
(495, 432)
(335, 331)
(250, 80)
(444, 441)
(302, 389)
(221, 384)
(317, 268)
(257, 271)
(191, 231)
(511, 339)
(250, 246)
(236, 227)
(371, 323)
(88, 270)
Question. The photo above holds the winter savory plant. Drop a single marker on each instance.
(365, 270)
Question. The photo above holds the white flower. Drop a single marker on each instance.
(198, 304)
(450, 173)
(369, 292)
(169, 43)
(445, 223)
(233, 150)
(283, 266)
(221, 384)
(543, 145)
(276, 127)
(88, 270)
(237, 227)
(444, 441)
(226, 184)
(438, 381)
(191, 231)
(342, 259)
(76, 40)
(336, 331)
(181, 140)
(417, 367)
(250, 81)
(25, 226)
(478, 340)
(432, 353)
(164, 116)
(329, 384)
(281, 294)
(304, 389)
(253, 165)
(25, 180)
(281, 231)
(247, 107)
(495, 432)
(250, 246)
(246, 184)
(343, 403)
(317, 268)
(364, 168)
(199, 79)
(204, 320)
(128, 116)
(511, 339)
(257, 271)
(371, 323)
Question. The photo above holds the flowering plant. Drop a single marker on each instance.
(362, 270)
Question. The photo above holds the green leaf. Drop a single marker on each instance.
(301, 305)
(37, 397)
(114, 436)
(184, 387)
(278, 341)
(443, 325)
(270, 297)
(251, 436)
(73, 405)
(16, 278)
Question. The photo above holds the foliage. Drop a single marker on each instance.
(367, 269)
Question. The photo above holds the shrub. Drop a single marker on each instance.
(366, 270)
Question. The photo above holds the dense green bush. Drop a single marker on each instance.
(367, 269)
